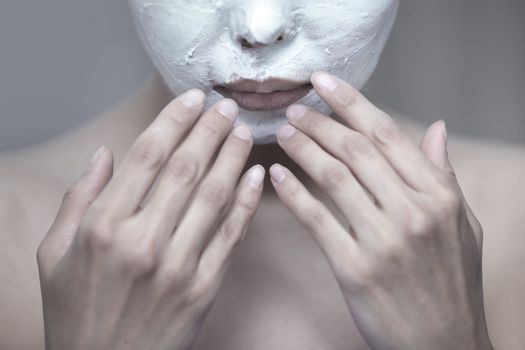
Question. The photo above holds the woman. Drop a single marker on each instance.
(137, 259)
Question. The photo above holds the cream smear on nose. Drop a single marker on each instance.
(198, 44)
(263, 24)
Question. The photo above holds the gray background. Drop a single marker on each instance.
(62, 61)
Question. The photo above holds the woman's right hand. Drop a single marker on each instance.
(126, 268)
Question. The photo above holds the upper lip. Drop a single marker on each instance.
(263, 87)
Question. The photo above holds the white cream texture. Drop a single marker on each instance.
(197, 44)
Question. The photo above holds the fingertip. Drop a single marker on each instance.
(255, 176)
(193, 98)
(278, 173)
(244, 132)
(434, 145)
(228, 108)
(324, 81)
(100, 170)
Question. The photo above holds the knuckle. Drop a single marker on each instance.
(449, 203)
(348, 95)
(148, 150)
(391, 252)
(334, 176)
(420, 224)
(72, 192)
(363, 277)
(248, 202)
(215, 194)
(236, 151)
(183, 169)
(314, 218)
(357, 145)
(293, 191)
(212, 127)
(297, 145)
(200, 292)
(176, 118)
(173, 113)
(312, 121)
(139, 260)
(446, 182)
(174, 280)
(98, 234)
(231, 231)
(386, 132)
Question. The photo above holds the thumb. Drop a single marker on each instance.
(434, 146)
(75, 202)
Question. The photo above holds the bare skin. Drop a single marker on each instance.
(280, 291)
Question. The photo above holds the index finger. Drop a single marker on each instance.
(148, 154)
(361, 115)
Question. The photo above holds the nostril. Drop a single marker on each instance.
(245, 43)
(248, 45)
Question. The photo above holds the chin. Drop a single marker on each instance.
(265, 123)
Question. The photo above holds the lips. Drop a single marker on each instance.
(270, 94)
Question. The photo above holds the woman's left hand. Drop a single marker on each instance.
(409, 265)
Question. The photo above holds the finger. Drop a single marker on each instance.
(434, 146)
(332, 175)
(76, 201)
(162, 210)
(214, 259)
(214, 194)
(355, 150)
(362, 116)
(336, 243)
(148, 154)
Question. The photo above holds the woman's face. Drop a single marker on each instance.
(262, 53)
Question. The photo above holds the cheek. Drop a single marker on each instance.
(178, 40)
(173, 27)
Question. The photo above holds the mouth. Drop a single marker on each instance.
(267, 95)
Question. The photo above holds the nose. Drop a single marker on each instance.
(259, 24)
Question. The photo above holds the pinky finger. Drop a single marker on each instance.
(214, 258)
(336, 242)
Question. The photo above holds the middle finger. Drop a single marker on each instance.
(333, 176)
(355, 150)
(186, 167)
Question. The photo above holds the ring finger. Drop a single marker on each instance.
(185, 168)
(332, 175)
(354, 149)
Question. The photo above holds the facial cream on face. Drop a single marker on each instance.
(206, 43)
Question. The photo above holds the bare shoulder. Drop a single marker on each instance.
(27, 206)
(491, 175)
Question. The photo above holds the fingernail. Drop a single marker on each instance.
(444, 129)
(97, 156)
(243, 132)
(324, 81)
(228, 109)
(277, 173)
(296, 112)
(192, 98)
(286, 132)
(256, 176)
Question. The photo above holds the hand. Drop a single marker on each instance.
(409, 265)
(122, 270)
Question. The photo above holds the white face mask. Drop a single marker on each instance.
(204, 43)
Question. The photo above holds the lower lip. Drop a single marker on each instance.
(253, 101)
